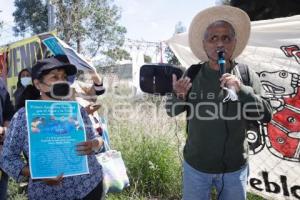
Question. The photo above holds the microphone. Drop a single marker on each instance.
(221, 62)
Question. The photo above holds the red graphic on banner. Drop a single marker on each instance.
(282, 134)
(287, 50)
(292, 51)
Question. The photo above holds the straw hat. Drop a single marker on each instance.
(239, 20)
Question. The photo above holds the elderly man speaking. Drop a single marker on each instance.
(220, 104)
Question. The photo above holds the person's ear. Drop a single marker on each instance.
(37, 84)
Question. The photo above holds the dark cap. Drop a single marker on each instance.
(51, 63)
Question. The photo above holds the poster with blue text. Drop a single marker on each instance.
(54, 129)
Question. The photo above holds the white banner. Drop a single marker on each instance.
(274, 53)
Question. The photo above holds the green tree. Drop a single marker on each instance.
(30, 16)
(93, 22)
(117, 54)
(69, 21)
(103, 31)
(171, 58)
(89, 23)
(147, 59)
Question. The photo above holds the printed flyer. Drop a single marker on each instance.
(54, 129)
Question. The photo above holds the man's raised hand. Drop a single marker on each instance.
(181, 86)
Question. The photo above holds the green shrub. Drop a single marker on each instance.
(153, 164)
(15, 192)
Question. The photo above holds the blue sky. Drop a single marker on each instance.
(150, 20)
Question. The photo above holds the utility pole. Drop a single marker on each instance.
(51, 16)
(161, 53)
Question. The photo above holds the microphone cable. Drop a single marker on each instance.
(221, 62)
(224, 150)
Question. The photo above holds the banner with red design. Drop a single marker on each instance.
(3, 66)
(273, 52)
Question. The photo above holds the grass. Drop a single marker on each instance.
(151, 144)
(15, 192)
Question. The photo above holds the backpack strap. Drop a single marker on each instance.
(242, 70)
(192, 71)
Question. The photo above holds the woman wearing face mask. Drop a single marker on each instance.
(24, 79)
(50, 79)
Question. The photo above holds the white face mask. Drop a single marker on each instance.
(26, 81)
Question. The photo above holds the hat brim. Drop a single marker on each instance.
(239, 20)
